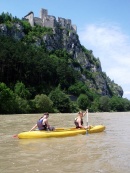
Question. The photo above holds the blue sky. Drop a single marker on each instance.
(103, 26)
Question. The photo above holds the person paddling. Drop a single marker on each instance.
(79, 120)
(43, 124)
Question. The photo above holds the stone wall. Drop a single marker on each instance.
(38, 21)
(49, 21)
(65, 23)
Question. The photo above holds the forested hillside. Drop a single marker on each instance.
(48, 70)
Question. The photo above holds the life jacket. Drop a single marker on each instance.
(40, 125)
(76, 123)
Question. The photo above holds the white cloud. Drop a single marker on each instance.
(112, 46)
(127, 92)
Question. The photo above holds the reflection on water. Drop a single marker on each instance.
(104, 152)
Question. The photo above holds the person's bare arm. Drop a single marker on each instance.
(85, 113)
(79, 122)
(33, 127)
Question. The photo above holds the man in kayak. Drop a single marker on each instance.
(79, 120)
(43, 124)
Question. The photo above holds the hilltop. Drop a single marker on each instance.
(46, 57)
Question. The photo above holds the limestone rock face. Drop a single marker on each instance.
(63, 39)
(15, 31)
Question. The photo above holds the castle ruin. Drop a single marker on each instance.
(46, 20)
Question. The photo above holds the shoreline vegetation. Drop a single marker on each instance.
(17, 101)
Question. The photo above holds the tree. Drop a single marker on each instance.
(61, 100)
(117, 104)
(126, 104)
(94, 105)
(76, 89)
(83, 101)
(22, 105)
(43, 103)
(21, 91)
(65, 74)
(104, 103)
(7, 100)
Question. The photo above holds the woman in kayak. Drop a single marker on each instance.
(79, 120)
(43, 124)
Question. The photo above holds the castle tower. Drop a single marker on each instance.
(43, 13)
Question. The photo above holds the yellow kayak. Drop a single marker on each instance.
(60, 132)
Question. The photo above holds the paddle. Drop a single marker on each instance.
(87, 121)
(16, 135)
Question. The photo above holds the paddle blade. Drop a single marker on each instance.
(14, 136)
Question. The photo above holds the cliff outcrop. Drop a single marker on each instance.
(64, 38)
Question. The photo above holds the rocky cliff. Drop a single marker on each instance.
(62, 38)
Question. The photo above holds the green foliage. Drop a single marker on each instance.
(35, 33)
(21, 91)
(91, 94)
(83, 101)
(104, 104)
(7, 17)
(62, 55)
(94, 105)
(60, 100)
(23, 105)
(66, 75)
(76, 64)
(76, 89)
(98, 63)
(88, 74)
(4, 17)
(9, 25)
(43, 103)
(81, 88)
(7, 100)
(38, 30)
(89, 52)
(74, 107)
(126, 104)
(90, 56)
(27, 27)
(117, 104)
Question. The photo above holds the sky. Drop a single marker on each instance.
(103, 26)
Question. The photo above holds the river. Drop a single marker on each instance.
(105, 152)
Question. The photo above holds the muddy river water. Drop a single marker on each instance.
(105, 152)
